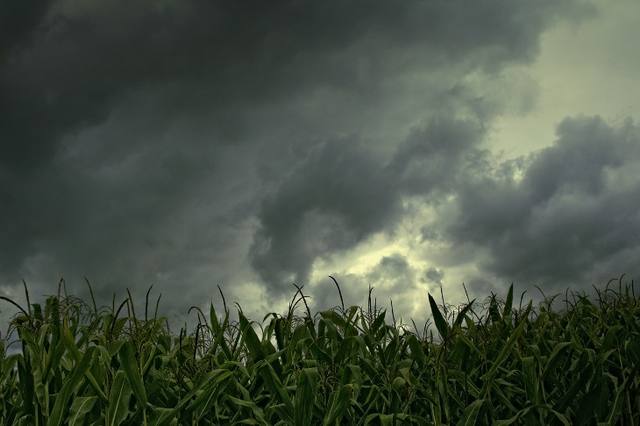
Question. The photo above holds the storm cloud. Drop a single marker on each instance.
(19, 21)
(341, 194)
(193, 143)
(85, 58)
(570, 218)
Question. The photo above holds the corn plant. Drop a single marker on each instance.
(486, 362)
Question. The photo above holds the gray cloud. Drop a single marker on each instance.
(341, 194)
(224, 53)
(431, 158)
(19, 21)
(434, 275)
(335, 199)
(182, 141)
(572, 218)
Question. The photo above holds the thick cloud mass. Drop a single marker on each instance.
(196, 142)
(19, 20)
(341, 194)
(572, 216)
(337, 197)
(86, 57)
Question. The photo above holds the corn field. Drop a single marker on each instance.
(574, 360)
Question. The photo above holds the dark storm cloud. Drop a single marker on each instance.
(572, 218)
(225, 52)
(335, 199)
(138, 136)
(434, 275)
(431, 158)
(341, 194)
(19, 21)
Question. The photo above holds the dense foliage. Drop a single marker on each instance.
(574, 361)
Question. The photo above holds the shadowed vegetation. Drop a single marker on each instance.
(566, 362)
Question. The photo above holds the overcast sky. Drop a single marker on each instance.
(253, 144)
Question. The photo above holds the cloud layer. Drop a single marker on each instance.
(191, 143)
(570, 218)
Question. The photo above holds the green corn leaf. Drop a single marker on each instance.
(462, 314)
(488, 377)
(585, 375)
(218, 331)
(150, 358)
(377, 323)
(617, 404)
(256, 411)
(210, 390)
(351, 374)
(41, 389)
(339, 405)
(279, 330)
(273, 382)
(161, 416)
(511, 420)
(563, 419)
(471, 413)
(508, 303)
(494, 314)
(304, 399)
(26, 384)
(53, 357)
(555, 357)
(387, 419)
(129, 364)
(26, 420)
(79, 409)
(71, 347)
(441, 324)
(250, 339)
(118, 408)
(195, 390)
(335, 318)
(61, 403)
(417, 353)
(531, 381)
(589, 403)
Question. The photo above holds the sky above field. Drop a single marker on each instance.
(405, 145)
